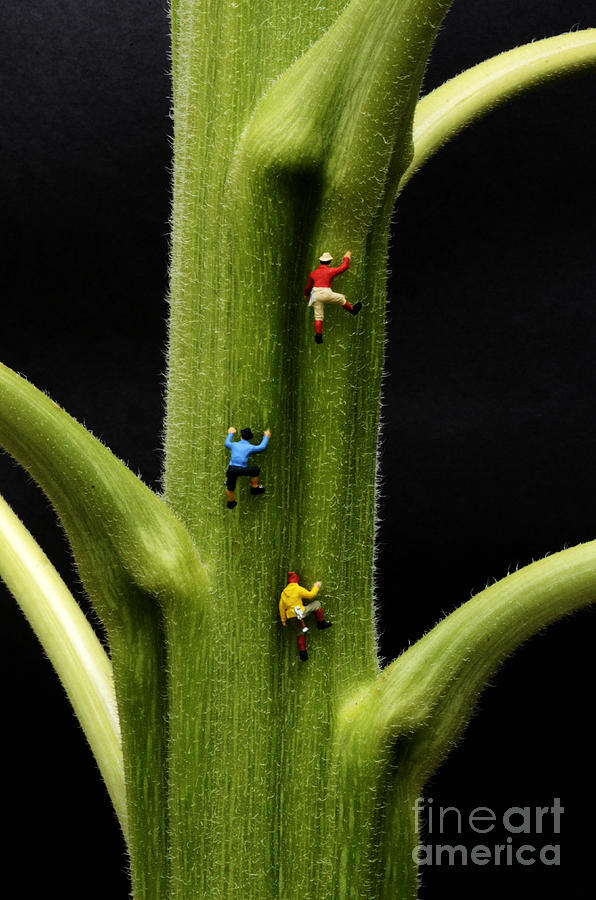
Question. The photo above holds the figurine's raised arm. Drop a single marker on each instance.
(345, 264)
(310, 595)
(260, 447)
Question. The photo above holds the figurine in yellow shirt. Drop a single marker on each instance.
(293, 610)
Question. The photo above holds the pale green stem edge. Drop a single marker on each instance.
(71, 645)
(453, 106)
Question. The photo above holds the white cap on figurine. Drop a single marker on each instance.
(326, 257)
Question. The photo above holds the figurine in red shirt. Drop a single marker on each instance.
(318, 291)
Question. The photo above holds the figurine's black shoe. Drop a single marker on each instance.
(259, 489)
(356, 308)
(303, 655)
(323, 625)
(318, 338)
(232, 504)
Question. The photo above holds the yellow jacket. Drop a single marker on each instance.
(293, 595)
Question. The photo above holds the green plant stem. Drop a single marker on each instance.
(76, 654)
(270, 170)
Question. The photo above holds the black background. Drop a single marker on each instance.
(488, 437)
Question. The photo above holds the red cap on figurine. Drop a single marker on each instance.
(292, 577)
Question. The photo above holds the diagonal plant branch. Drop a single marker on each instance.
(112, 519)
(452, 664)
(71, 645)
(132, 554)
(413, 713)
(446, 111)
(436, 682)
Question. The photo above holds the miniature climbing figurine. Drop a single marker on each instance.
(293, 610)
(318, 291)
(241, 450)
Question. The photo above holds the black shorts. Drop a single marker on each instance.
(234, 472)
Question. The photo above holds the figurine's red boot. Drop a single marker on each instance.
(318, 331)
(321, 623)
(302, 648)
(353, 309)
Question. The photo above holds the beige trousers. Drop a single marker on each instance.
(309, 608)
(323, 296)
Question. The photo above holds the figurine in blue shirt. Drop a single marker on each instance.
(241, 450)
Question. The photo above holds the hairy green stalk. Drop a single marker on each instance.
(295, 126)
(281, 170)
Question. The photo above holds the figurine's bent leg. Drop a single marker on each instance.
(255, 486)
(326, 295)
(338, 299)
(316, 607)
(313, 606)
(332, 297)
(341, 300)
